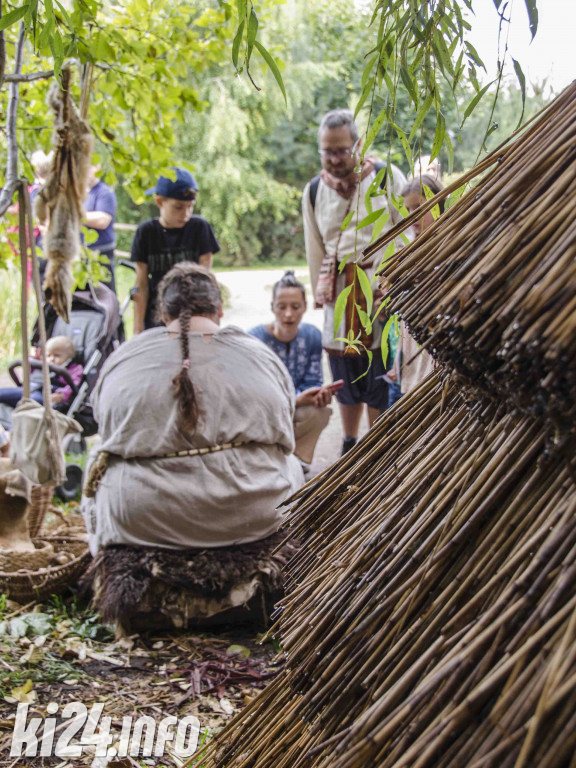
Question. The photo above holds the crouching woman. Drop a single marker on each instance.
(299, 346)
(196, 428)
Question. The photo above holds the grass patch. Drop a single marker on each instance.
(34, 645)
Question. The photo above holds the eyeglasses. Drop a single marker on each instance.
(347, 152)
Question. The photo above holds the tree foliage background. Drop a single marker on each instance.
(164, 90)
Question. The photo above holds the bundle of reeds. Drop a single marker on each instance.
(430, 620)
(490, 288)
(436, 588)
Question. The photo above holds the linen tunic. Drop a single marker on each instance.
(217, 499)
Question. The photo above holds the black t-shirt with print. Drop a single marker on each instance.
(162, 248)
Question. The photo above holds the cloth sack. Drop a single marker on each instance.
(36, 442)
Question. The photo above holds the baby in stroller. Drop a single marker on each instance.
(60, 352)
(82, 346)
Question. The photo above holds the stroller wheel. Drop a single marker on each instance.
(72, 485)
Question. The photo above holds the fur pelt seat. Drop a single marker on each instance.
(140, 588)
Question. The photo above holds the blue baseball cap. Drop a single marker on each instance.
(183, 188)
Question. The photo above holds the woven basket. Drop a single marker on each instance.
(40, 500)
(25, 586)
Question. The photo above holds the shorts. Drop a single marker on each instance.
(368, 389)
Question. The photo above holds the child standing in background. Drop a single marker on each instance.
(175, 236)
(413, 364)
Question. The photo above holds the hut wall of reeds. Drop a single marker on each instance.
(430, 616)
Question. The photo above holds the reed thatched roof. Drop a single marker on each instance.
(430, 618)
(490, 288)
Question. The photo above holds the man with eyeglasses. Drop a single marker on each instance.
(176, 235)
(338, 192)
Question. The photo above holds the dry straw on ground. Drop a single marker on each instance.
(430, 620)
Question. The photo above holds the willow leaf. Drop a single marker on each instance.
(373, 188)
(13, 16)
(273, 66)
(251, 33)
(420, 116)
(236, 44)
(346, 221)
(384, 347)
(364, 319)
(340, 308)
(438, 136)
(365, 287)
(370, 219)
(382, 306)
(532, 16)
(380, 224)
(370, 355)
(522, 82)
(375, 129)
(410, 84)
(404, 142)
(64, 13)
(473, 54)
(363, 96)
(368, 69)
(343, 263)
(472, 105)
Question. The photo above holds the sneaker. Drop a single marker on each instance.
(349, 442)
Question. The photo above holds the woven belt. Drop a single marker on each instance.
(202, 451)
(100, 465)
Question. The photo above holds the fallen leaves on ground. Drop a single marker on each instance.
(63, 655)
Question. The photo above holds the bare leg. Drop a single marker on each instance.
(373, 414)
(351, 415)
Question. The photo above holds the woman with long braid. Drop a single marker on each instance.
(196, 428)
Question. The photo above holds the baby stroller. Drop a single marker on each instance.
(96, 330)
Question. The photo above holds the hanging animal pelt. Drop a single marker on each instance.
(60, 200)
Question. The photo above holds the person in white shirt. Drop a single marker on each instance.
(327, 199)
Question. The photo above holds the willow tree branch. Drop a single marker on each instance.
(29, 77)
(7, 192)
(2, 52)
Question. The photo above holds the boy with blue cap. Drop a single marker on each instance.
(176, 235)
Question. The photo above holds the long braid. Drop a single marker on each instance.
(183, 390)
(187, 290)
